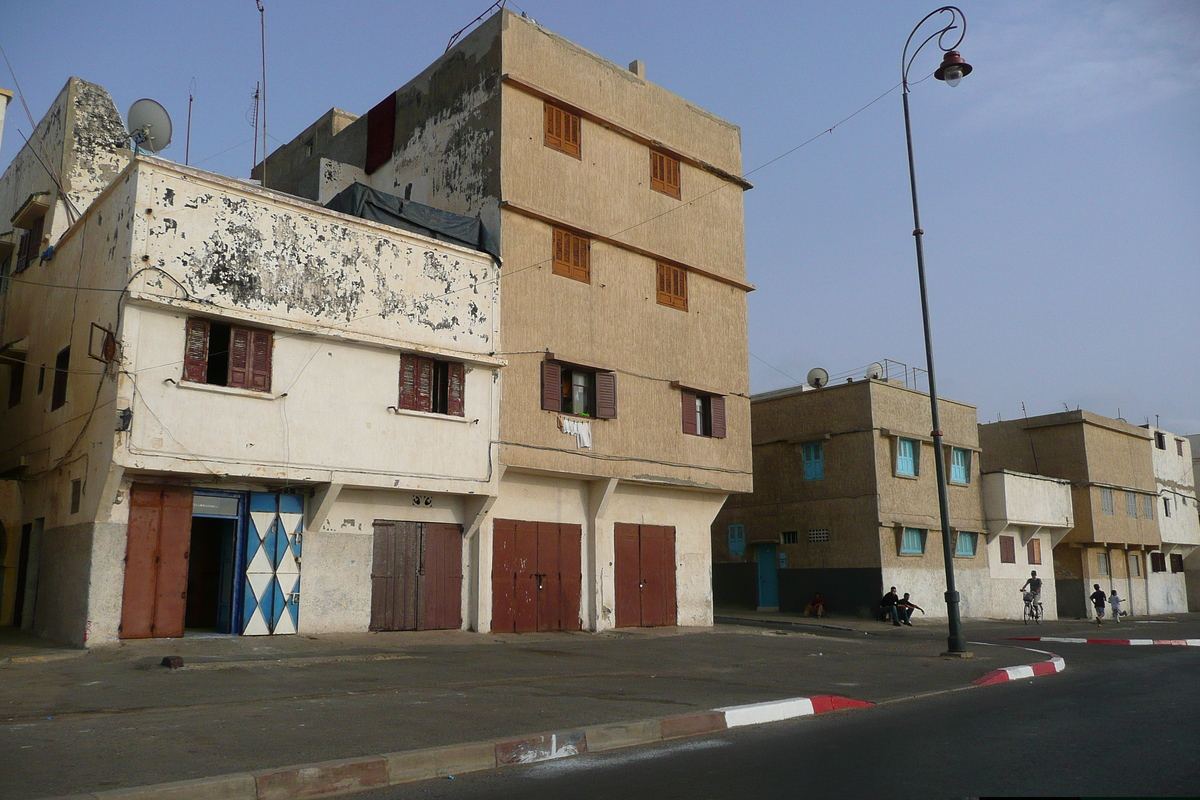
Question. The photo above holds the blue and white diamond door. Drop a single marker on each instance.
(271, 593)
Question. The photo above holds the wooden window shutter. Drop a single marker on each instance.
(195, 351)
(664, 174)
(261, 345)
(381, 133)
(455, 394)
(689, 412)
(562, 130)
(424, 396)
(672, 286)
(572, 257)
(239, 358)
(606, 395)
(30, 246)
(717, 410)
(1008, 551)
(551, 386)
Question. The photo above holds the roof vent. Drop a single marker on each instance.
(638, 68)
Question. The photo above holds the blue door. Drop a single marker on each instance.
(271, 594)
(768, 576)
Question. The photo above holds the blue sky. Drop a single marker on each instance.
(1059, 183)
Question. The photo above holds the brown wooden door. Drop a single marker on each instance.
(441, 577)
(416, 576)
(536, 576)
(525, 578)
(644, 572)
(504, 543)
(154, 599)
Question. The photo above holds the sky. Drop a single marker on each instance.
(1059, 182)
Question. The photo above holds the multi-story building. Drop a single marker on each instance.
(625, 418)
(1113, 494)
(1191, 562)
(845, 503)
(1178, 521)
(210, 385)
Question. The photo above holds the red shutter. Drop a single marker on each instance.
(261, 345)
(424, 401)
(408, 382)
(689, 412)
(551, 386)
(1008, 551)
(239, 358)
(606, 395)
(455, 394)
(381, 133)
(195, 351)
(717, 410)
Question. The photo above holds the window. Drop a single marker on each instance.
(912, 541)
(76, 495)
(1160, 440)
(1176, 562)
(737, 540)
(1008, 550)
(572, 256)
(571, 389)
(62, 366)
(1135, 566)
(960, 465)
(672, 286)
(908, 454)
(1179, 446)
(16, 376)
(1158, 562)
(703, 414)
(1034, 551)
(30, 247)
(220, 354)
(818, 535)
(1106, 500)
(1148, 506)
(664, 173)
(1102, 563)
(966, 544)
(814, 461)
(1131, 505)
(562, 130)
(1166, 506)
(432, 386)
(789, 537)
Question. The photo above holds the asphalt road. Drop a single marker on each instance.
(1121, 721)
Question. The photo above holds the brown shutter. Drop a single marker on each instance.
(1008, 551)
(562, 130)
(717, 410)
(551, 386)
(195, 351)
(381, 133)
(664, 284)
(679, 287)
(408, 382)
(562, 252)
(456, 393)
(261, 345)
(581, 262)
(239, 358)
(424, 384)
(606, 395)
(553, 127)
(689, 412)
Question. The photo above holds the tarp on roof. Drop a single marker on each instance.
(362, 201)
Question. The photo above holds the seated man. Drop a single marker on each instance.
(815, 607)
(888, 605)
(906, 606)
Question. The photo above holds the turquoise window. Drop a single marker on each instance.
(912, 541)
(960, 466)
(967, 542)
(814, 461)
(906, 457)
(737, 540)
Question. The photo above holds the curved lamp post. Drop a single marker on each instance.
(952, 70)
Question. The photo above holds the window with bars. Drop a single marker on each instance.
(1131, 504)
(737, 540)
(1034, 551)
(664, 174)
(572, 255)
(912, 541)
(1008, 550)
(814, 461)
(965, 544)
(577, 390)
(960, 465)
(220, 354)
(672, 286)
(562, 130)
(703, 414)
(908, 454)
(432, 386)
(818, 535)
(789, 537)
(1106, 500)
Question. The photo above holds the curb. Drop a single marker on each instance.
(1006, 674)
(331, 778)
(42, 659)
(1069, 640)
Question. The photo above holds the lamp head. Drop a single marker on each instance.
(953, 68)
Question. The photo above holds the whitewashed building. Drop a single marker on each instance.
(1178, 522)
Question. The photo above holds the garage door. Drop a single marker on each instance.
(416, 576)
(645, 575)
(536, 576)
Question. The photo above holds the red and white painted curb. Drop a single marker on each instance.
(1073, 640)
(1006, 674)
(758, 713)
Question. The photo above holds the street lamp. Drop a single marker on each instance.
(952, 70)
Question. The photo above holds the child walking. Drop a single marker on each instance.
(1114, 603)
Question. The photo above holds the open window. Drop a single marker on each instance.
(432, 386)
(703, 413)
(579, 390)
(221, 354)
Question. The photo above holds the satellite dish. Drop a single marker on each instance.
(149, 125)
(875, 371)
(817, 377)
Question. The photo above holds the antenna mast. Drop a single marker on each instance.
(254, 122)
(187, 142)
(262, 19)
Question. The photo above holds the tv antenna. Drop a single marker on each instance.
(817, 377)
(149, 126)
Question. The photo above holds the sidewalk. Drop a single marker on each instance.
(112, 717)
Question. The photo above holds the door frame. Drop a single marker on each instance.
(239, 547)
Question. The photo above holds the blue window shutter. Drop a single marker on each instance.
(912, 541)
(814, 461)
(906, 462)
(959, 469)
(737, 540)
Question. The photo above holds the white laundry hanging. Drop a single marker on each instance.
(579, 428)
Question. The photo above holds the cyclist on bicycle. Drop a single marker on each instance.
(1034, 585)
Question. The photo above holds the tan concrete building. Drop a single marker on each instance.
(845, 503)
(1113, 491)
(625, 414)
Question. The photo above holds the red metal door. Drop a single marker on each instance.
(154, 597)
(570, 572)
(525, 578)
(627, 572)
(504, 567)
(442, 607)
(549, 583)
(658, 575)
(536, 576)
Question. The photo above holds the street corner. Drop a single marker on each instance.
(1083, 640)
(1006, 674)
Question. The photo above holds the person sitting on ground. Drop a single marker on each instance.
(888, 606)
(906, 606)
(1098, 599)
(815, 607)
(1034, 585)
(1114, 603)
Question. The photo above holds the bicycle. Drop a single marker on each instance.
(1033, 609)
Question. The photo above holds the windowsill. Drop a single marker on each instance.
(959, 555)
(959, 483)
(911, 555)
(427, 415)
(906, 477)
(230, 390)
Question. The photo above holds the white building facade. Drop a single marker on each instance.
(1167, 587)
